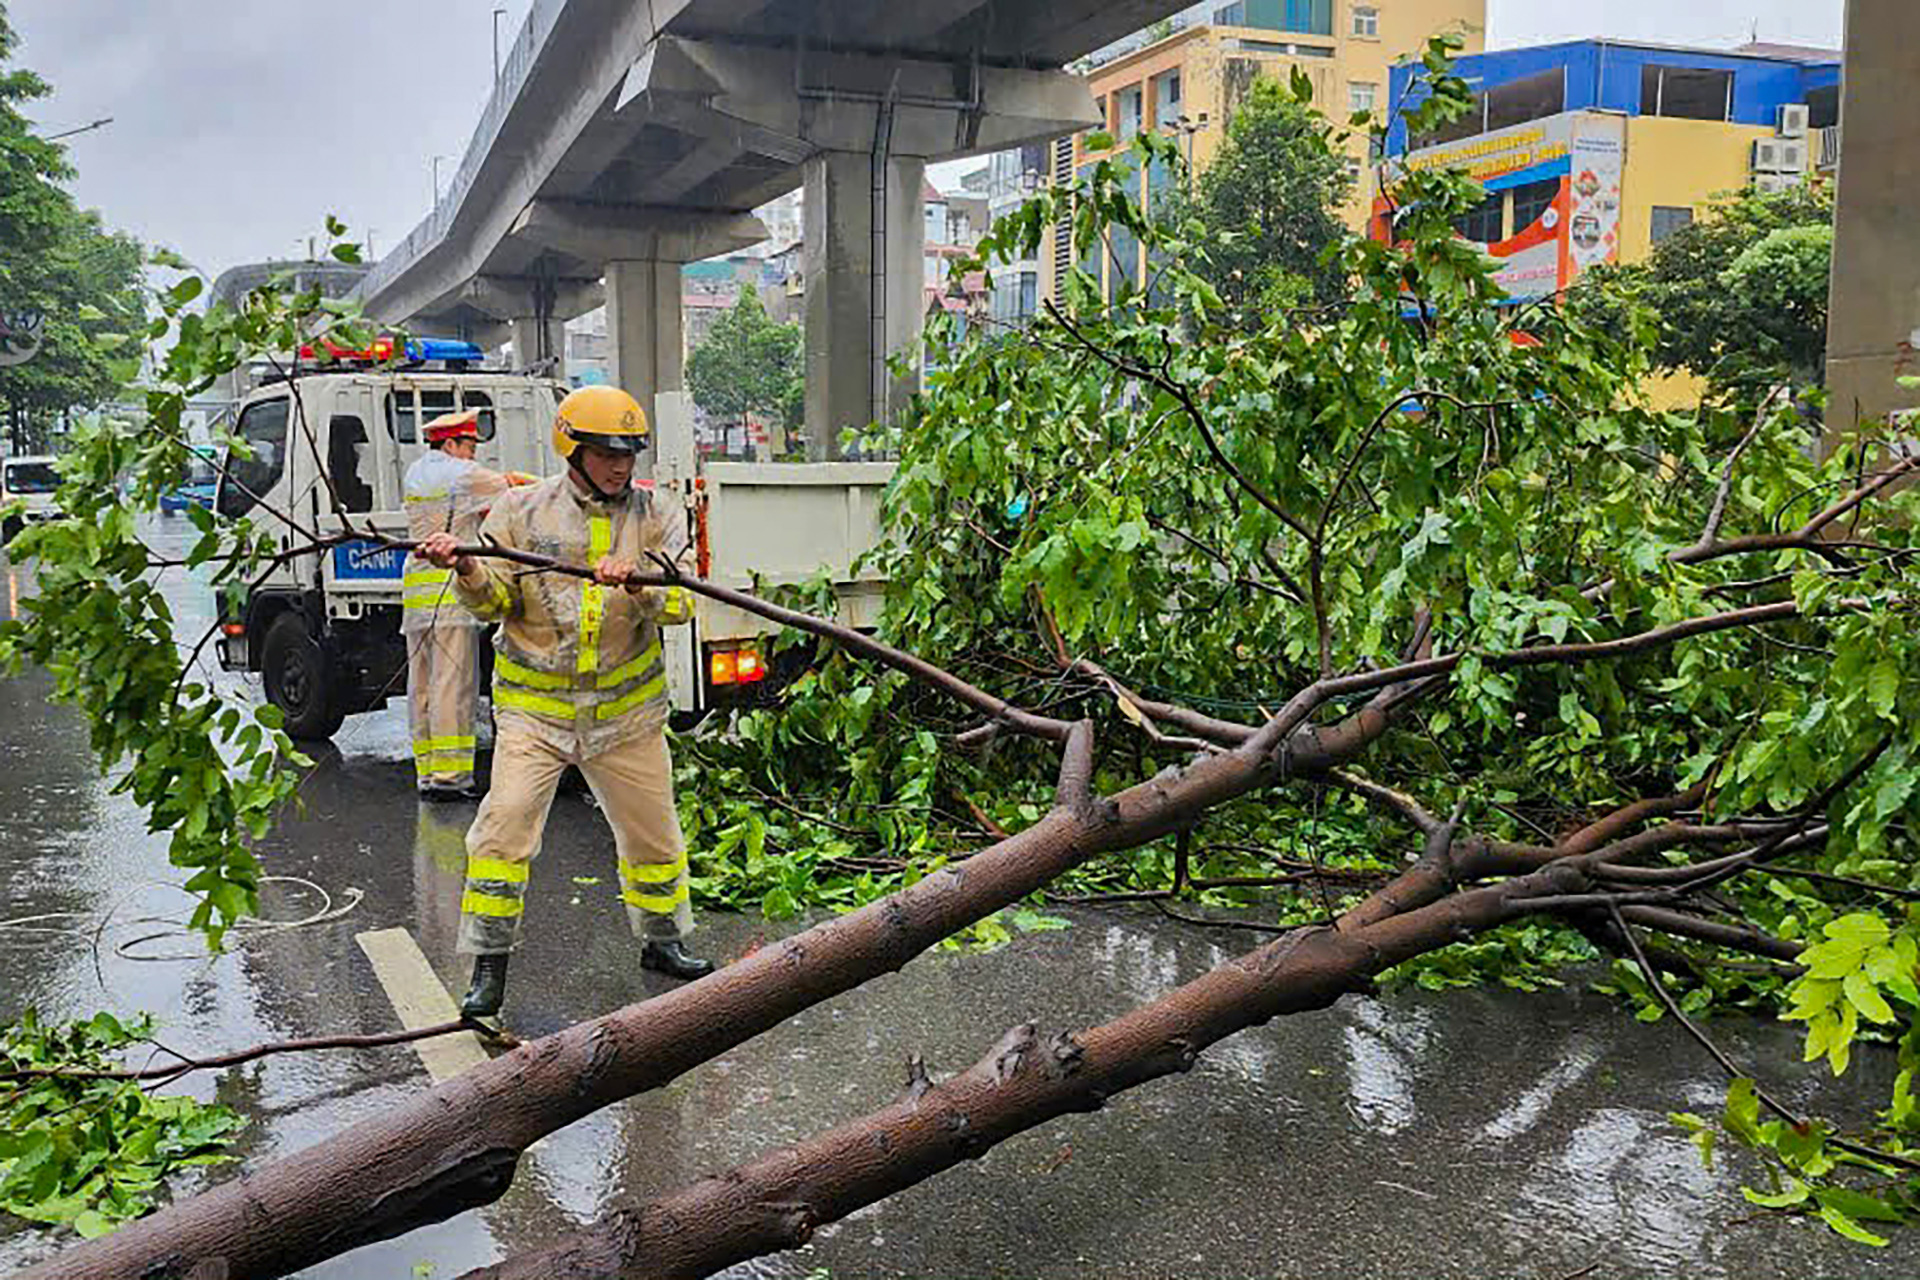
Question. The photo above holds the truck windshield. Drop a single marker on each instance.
(264, 427)
(31, 477)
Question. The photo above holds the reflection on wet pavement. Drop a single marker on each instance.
(1472, 1134)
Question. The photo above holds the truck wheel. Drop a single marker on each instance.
(9, 530)
(300, 681)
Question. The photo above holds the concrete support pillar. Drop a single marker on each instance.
(645, 338)
(537, 338)
(1873, 326)
(865, 261)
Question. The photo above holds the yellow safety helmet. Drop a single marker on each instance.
(604, 416)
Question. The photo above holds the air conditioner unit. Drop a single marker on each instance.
(1779, 155)
(1792, 121)
(1772, 183)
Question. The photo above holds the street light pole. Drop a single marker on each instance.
(497, 15)
(1190, 127)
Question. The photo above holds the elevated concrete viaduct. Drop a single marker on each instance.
(626, 138)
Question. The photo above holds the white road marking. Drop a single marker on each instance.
(421, 1001)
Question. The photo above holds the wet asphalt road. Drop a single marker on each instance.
(1474, 1134)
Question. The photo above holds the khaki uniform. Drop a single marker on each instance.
(577, 679)
(444, 495)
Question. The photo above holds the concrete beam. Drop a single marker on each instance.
(829, 101)
(601, 234)
(510, 297)
(707, 158)
(1873, 324)
(907, 27)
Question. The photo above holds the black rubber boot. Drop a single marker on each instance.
(489, 987)
(671, 958)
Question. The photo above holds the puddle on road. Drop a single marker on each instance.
(1472, 1134)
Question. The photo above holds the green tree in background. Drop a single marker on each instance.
(748, 365)
(59, 261)
(1741, 294)
(1267, 202)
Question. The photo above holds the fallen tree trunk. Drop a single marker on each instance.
(457, 1146)
(779, 1201)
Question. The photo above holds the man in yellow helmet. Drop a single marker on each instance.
(577, 679)
(447, 492)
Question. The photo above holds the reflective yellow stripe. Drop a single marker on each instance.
(512, 672)
(629, 670)
(436, 600)
(499, 601)
(678, 606)
(444, 762)
(486, 904)
(426, 746)
(428, 497)
(427, 577)
(660, 905)
(496, 869)
(518, 701)
(652, 872)
(593, 596)
(627, 702)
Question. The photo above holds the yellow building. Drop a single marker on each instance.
(1595, 151)
(1187, 82)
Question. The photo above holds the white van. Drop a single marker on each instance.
(31, 480)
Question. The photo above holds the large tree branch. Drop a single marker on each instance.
(456, 1146)
(779, 1201)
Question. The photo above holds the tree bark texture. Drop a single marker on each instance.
(777, 1202)
(456, 1147)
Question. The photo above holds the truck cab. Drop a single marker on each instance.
(329, 449)
(30, 480)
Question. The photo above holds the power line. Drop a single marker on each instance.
(85, 128)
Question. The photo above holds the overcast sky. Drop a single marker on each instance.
(239, 126)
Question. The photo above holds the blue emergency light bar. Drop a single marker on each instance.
(443, 349)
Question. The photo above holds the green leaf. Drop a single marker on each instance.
(91, 1224)
(1857, 1204)
(1847, 1227)
(1795, 1194)
(1742, 1111)
(1883, 687)
(1865, 997)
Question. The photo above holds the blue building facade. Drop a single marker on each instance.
(1740, 86)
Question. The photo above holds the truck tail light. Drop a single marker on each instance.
(736, 666)
(235, 629)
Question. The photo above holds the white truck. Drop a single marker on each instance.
(29, 481)
(323, 630)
